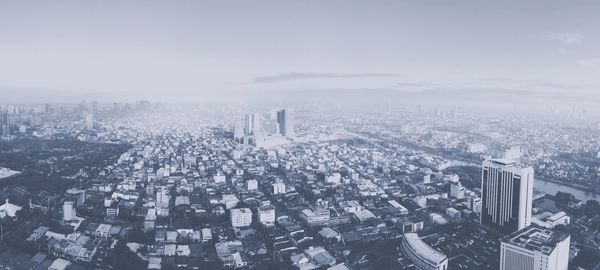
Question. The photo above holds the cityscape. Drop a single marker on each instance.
(172, 162)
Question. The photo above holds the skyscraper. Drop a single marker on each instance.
(251, 124)
(535, 248)
(507, 195)
(285, 122)
(4, 124)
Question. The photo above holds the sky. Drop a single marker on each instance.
(193, 50)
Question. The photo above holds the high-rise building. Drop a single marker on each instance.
(89, 120)
(507, 195)
(69, 211)
(238, 132)
(4, 124)
(285, 122)
(90, 117)
(251, 124)
(535, 248)
(241, 217)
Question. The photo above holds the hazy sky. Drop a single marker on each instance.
(182, 50)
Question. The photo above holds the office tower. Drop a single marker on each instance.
(241, 217)
(285, 122)
(535, 248)
(89, 120)
(69, 211)
(507, 195)
(238, 132)
(251, 124)
(4, 124)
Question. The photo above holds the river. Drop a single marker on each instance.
(551, 188)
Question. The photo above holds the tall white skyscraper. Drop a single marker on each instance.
(507, 195)
(285, 122)
(535, 248)
(251, 124)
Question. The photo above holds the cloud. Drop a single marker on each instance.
(542, 84)
(312, 75)
(590, 63)
(570, 38)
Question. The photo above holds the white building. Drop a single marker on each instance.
(241, 217)
(507, 195)
(549, 220)
(278, 188)
(252, 185)
(422, 255)
(334, 178)
(535, 248)
(477, 148)
(266, 215)
(69, 211)
(457, 190)
(9, 209)
(163, 198)
(219, 178)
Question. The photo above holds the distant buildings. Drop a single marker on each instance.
(535, 248)
(241, 217)
(507, 195)
(422, 255)
(285, 122)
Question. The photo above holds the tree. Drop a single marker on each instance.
(592, 208)
(123, 258)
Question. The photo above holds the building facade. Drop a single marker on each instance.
(422, 255)
(535, 248)
(507, 195)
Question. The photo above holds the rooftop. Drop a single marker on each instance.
(536, 238)
(424, 250)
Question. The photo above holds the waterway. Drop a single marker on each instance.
(552, 188)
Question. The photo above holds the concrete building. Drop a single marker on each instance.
(251, 124)
(285, 122)
(266, 215)
(278, 188)
(252, 185)
(457, 191)
(69, 211)
(535, 248)
(507, 195)
(422, 255)
(241, 217)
